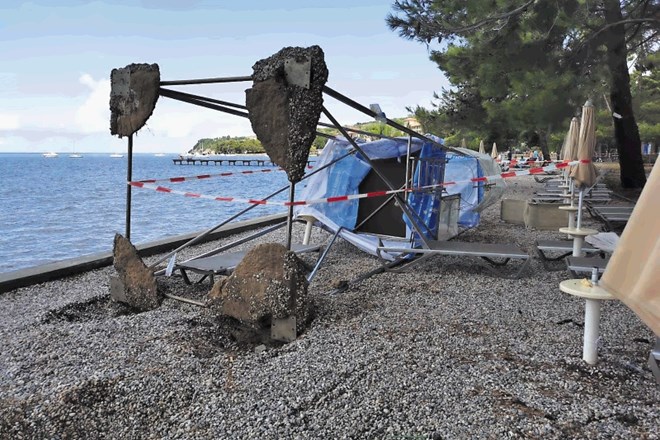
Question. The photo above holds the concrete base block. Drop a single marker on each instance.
(545, 216)
(513, 211)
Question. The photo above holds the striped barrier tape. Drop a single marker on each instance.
(334, 199)
(208, 176)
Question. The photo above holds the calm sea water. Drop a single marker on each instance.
(57, 208)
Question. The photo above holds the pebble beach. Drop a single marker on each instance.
(441, 350)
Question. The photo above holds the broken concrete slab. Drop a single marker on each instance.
(285, 103)
(133, 96)
(136, 285)
(269, 283)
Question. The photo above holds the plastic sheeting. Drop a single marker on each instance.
(428, 172)
(345, 176)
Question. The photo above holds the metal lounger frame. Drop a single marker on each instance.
(611, 214)
(582, 265)
(563, 246)
(485, 251)
(224, 264)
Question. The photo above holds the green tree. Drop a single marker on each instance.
(646, 97)
(228, 145)
(532, 64)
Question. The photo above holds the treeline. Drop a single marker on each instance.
(377, 128)
(519, 71)
(228, 145)
(249, 145)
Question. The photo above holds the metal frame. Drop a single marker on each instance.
(240, 110)
(485, 255)
(565, 247)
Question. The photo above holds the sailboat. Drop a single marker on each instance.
(50, 154)
(73, 154)
(116, 155)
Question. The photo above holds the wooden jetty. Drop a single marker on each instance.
(231, 162)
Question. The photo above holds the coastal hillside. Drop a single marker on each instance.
(251, 145)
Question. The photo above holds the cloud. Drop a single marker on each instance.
(9, 121)
(93, 116)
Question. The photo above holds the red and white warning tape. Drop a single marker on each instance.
(506, 175)
(208, 176)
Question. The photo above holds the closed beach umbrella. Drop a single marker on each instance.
(482, 150)
(569, 149)
(493, 153)
(632, 272)
(584, 174)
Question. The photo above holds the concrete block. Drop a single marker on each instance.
(545, 216)
(513, 211)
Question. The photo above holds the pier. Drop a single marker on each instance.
(230, 162)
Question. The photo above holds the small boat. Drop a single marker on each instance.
(75, 156)
(50, 154)
(116, 155)
(159, 154)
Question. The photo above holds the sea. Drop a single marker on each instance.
(53, 209)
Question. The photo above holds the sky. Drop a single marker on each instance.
(57, 56)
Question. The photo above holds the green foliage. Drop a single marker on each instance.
(646, 97)
(228, 145)
(519, 70)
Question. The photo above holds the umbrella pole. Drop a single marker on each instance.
(579, 212)
(578, 239)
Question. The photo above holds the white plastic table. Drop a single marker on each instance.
(578, 235)
(593, 296)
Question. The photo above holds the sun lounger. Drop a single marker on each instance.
(486, 251)
(611, 214)
(578, 266)
(545, 248)
(561, 199)
(225, 263)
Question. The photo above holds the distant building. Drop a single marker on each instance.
(413, 124)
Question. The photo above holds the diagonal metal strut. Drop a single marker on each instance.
(402, 203)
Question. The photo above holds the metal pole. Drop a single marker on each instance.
(172, 93)
(359, 107)
(209, 231)
(210, 103)
(200, 102)
(227, 79)
(408, 165)
(355, 130)
(579, 212)
(222, 106)
(289, 217)
(129, 178)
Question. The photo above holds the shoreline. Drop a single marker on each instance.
(73, 266)
(442, 350)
